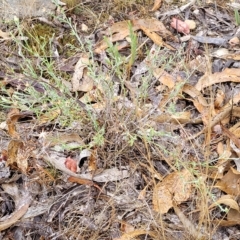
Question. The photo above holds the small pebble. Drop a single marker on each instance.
(191, 24)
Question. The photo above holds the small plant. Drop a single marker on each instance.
(133, 44)
(237, 17)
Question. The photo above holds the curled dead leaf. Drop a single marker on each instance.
(80, 80)
(156, 38)
(233, 218)
(175, 187)
(227, 200)
(120, 30)
(13, 148)
(230, 182)
(12, 119)
(227, 75)
(92, 164)
(164, 77)
(18, 154)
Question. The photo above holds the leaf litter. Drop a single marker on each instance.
(126, 127)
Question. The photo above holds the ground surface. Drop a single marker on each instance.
(120, 120)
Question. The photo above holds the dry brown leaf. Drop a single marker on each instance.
(225, 223)
(236, 130)
(157, 5)
(154, 25)
(236, 111)
(230, 183)
(135, 233)
(220, 148)
(176, 118)
(126, 227)
(198, 100)
(156, 38)
(233, 218)
(219, 98)
(231, 135)
(164, 77)
(92, 164)
(120, 30)
(224, 154)
(227, 200)
(203, 110)
(215, 120)
(218, 118)
(5, 35)
(175, 187)
(80, 80)
(233, 215)
(214, 173)
(18, 155)
(194, 93)
(228, 75)
(12, 119)
(181, 117)
(117, 32)
(118, 27)
(220, 167)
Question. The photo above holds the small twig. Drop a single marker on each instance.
(17, 214)
(84, 182)
(178, 10)
(217, 119)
